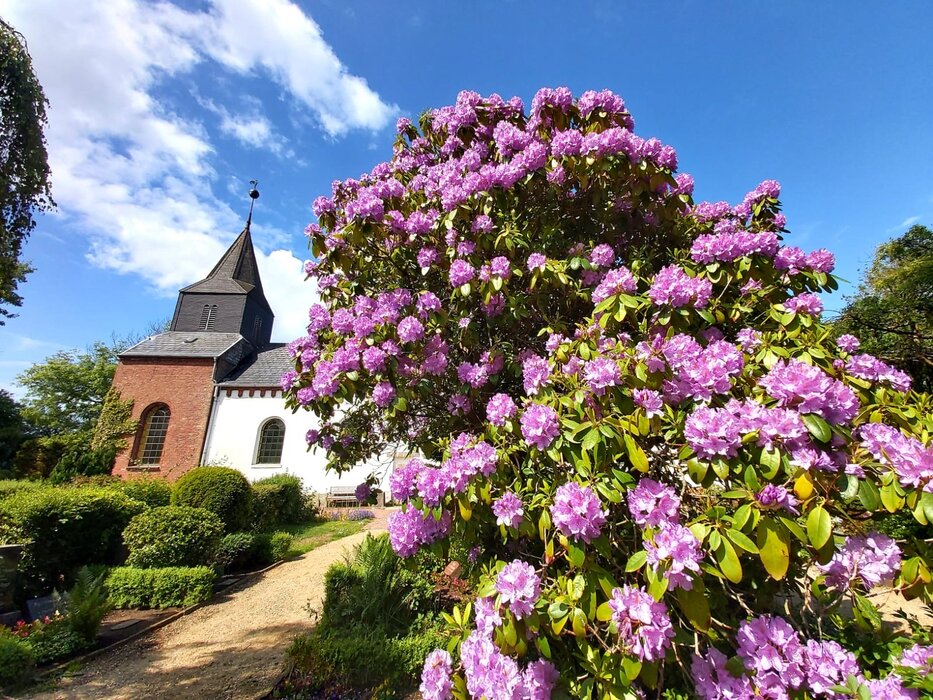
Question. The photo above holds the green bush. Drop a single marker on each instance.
(277, 500)
(173, 536)
(272, 547)
(87, 603)
(64, 529)
(152, 492)
(224, 491)
(16, 660)
(10, 486)
(83, 462)
(236, 552)
(170, 587)
(54, 640)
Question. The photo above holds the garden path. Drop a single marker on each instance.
(230, 649)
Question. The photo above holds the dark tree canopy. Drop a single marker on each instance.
(24, 168)
(892, 314)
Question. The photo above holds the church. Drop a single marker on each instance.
(208, 390)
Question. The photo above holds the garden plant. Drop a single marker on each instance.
(667, 471)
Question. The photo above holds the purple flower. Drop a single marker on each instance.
(538, 680)
(650, 401)
(644, 626)
(410, 530)
(676, 545)
(617, 281)
(486, 613)
(536, 261)
(488, 672)
(828, 664)
(772, 497)
(805, 303)
(847, 343)
(675, 287)
(821, 261)
(919, 658)
(508, 510)
(600, 373)
(653, 504)
(868, 560)
(810, 390)
(500, 409)
(771, 648)
(714, 681)
(374, 359)
(461, 272)
(749, 339)
(535, 373)
(410, 330)
(402, 481)
(383, 394)
(868, 367)
(518, 586)
(910, 459)
(890, 688)
(577, 512)
(363, 492)
(426, 257)
(602, 255)
(713, 432)
(435, 677)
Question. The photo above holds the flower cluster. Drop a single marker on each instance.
(868, 367)
(910, 459)
(810, 390)
(519, 587)
(644, 625)
(675, 287)
(868, 560)
(500, 408)
(508, 510)
(577, 512)
(410, 530)
(539, 425)
(435, 677)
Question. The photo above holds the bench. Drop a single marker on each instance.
(341, 496)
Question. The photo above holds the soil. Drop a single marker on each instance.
(230, 649)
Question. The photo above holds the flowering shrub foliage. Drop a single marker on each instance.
(626, 408)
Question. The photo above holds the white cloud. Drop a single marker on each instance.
(136, 174)
(904, 225)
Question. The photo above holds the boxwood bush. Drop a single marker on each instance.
(277, 500)
(173, 536)
(64, 529)
(16, 659)
(169, 587)
(237, 551)
(152, 492)
(224, 491)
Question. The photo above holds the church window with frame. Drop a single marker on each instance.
(152, 440)
(271, 441)
(208, 316)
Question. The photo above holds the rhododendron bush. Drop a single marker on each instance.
(626, 408)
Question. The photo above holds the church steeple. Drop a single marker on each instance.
(230, 299)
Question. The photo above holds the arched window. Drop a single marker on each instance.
(152, 440)
(271, 439)
(208, 315)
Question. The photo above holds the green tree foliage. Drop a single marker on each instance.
(13, 430)
(892, 314)
(24, 168)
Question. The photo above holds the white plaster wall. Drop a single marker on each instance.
(233, 435)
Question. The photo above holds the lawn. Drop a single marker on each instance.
(312, 535)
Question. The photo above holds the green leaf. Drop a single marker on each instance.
(740, 540)
(890, 498)
(579, 623)
(728, 560)
(636, 561)
(695, 605)
(819, 527)
(604, 612)
(590, 440)
(868, 495)
(818, 427)
(636, 455)
(575, 554)
(774, 547)
(558, 610)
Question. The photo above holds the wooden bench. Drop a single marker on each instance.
(341, 496)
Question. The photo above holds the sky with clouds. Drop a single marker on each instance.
(161, 113)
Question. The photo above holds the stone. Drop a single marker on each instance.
(39, 608)
(453, 570)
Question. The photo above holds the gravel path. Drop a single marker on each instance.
(230, 649)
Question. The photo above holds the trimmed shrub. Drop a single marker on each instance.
(10, 486)
(224, 491)
(16, 659)
(64, 529)
(272, 547)
(277, 500)
(173, 536)
(169, 587)
(236, 551)
(152, 492)
(54, 640)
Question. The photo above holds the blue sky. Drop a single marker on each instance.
(161, 114)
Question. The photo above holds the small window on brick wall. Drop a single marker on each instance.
(152, 440)
(271, 440)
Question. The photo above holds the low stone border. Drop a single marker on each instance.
(52, 670)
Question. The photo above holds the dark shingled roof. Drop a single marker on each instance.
(264, 369)
(186, 344)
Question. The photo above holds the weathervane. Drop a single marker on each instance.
(253, 196)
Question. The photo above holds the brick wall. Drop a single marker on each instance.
(186, 386)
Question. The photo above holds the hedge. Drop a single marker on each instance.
(130, 587)
(277, 500)
(152, 492)
(173, 536)
(64, 529)
(10, 486)
(16, 659)
(224, 491)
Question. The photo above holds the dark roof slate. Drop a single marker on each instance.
(263, 369)
(206, 344)
(237, 272)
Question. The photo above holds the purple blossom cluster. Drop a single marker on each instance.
(868, 367)
(617, 281)
(910, 459)
(519, 587)
(500, 408)
(601, 373)
(810, 390)
(773, 497)
(848, 343)
(410, 530)
(794, 260)
(771, 648)
(540, 425)
(508, 510)
(729, 243)
(644, 625)
(673, 286)
(577, 512)
(865, 560)
(806, 303)
(919, 658)
(491, 674)
(650, 400)
(653, 504)
(436, 683)
(535, 373)
(699, 372)
(466, 461)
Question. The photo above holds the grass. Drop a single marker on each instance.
(312, 535)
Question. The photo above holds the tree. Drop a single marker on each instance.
(24, 169)
(13, 430)
(632, 422)
(892, 314)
